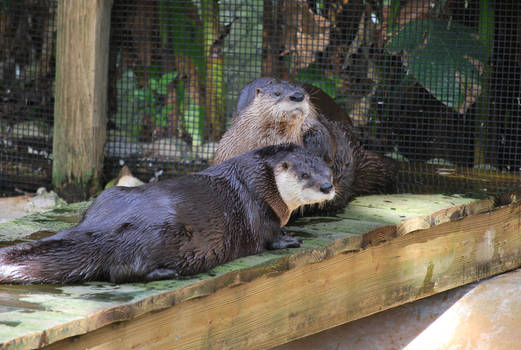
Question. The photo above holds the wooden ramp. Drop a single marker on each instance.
(382, 251)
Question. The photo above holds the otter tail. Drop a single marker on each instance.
(375, 174)
(44, 261)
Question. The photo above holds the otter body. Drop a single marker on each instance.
(181, 226)
(273, 111)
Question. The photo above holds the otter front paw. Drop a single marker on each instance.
(285, 241)
(161, 274)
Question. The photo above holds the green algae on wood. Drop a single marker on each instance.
(56, 312)
(60, 218)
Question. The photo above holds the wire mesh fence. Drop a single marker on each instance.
(432, 83)
(27, 32)
(176, 70)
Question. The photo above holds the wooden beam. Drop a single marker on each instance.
(82, 54)
(299, 299)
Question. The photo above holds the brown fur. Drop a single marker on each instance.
(178, 227)
(264, 116)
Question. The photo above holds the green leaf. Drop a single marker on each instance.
(186, 32)
(445, 57)
(160, 86)
(150, 110)
(136, 130)
(394, 10)
(167, 78)
(161, 119)
(486, 25)
(154, 84)
(143, 95)
(312, 75)
(192, 119)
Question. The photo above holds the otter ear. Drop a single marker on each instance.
(285, 165)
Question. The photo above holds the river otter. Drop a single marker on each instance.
(180, 226)
(272, 111)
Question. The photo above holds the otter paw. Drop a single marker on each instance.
(161, 274)
(285, 241)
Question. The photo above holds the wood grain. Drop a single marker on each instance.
(277, 308)
(82, 53)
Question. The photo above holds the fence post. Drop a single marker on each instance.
(82, 58)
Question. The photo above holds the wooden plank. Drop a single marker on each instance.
(82, 53)
(299, 297)
(37, 315)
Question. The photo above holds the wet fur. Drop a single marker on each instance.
(174, 227)
(326, 130)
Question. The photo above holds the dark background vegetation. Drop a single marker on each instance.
(433, 83)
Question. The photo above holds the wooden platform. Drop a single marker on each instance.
(380, 252)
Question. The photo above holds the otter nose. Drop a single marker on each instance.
(326, 188)
(297, 97)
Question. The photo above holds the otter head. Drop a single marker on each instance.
(282, 100)
(302, 179)
(291, 177)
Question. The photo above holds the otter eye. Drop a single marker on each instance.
(304, 176)
(277, 93)
(258, 91)
(284, 165)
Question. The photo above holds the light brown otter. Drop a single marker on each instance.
(268, 112)
(273, 111)
(181, 226)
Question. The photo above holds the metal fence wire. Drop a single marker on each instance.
(27, 39)
(432, 83)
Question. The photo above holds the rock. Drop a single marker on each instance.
(13, 207)
(31, 129)
(122, 148)
(171, 148)
(439, 161)
(43, 201)
(122, 145)
(125, 179)
(487, 317)
(486, 167)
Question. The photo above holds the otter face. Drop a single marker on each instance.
(303, 180)
(288, 102)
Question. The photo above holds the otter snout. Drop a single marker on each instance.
(326, 188)
(303, 179)
(297, 97)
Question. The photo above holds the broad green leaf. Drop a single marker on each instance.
(161, 119)
(143, 95)
(186, 33)
(167, 78)
(154, 84)
(312, 75)
(446, 58)
(192, 118)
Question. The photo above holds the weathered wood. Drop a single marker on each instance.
(481, 315)
(274, 297)
(82, 53)
(300, 298)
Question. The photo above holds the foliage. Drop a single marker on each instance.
(445, 57)
(192, 114)
(149, 98)
(312, 75)
(184, 31)
(193, 117)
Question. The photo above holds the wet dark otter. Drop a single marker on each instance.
(272, 111)
(181, 226)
